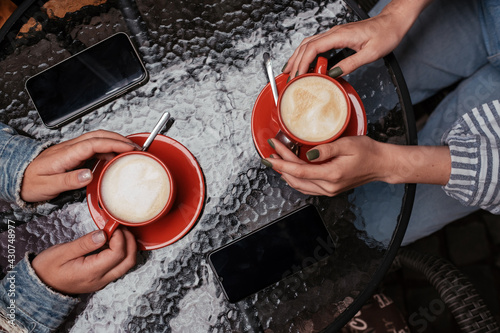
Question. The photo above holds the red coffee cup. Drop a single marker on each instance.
(313, 108)
(134, 189)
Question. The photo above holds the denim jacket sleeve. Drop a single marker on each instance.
(16, 152)
(474, 143)
(28, 305)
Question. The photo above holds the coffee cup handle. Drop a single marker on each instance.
(321, 66)
(110, 227)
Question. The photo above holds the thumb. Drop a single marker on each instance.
(85, 244)
(323, 152)
(350, 64)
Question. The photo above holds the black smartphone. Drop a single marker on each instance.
(86, 80)
(271, 253)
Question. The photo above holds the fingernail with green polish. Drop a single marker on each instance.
(266, 163)
(312, 154)
(335, 72)
(271, 143)
(289, 78)
(284, 67)
(297, 74)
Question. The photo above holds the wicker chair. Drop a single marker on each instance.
(456, 291)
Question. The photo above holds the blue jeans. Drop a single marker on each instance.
(449, 44)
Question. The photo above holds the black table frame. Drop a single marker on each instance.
(409, 196)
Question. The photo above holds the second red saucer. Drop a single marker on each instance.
(189, 200)
(265, 126)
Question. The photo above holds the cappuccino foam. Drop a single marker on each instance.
(313, 109)
(135, 188)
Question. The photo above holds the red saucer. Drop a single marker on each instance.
(265, 125)
(188, 203)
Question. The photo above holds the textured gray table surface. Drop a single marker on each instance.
(205, 65)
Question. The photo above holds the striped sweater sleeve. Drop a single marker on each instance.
(474, 143)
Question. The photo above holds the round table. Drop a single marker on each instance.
(205, 64)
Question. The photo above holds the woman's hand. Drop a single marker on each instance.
(54, 170)
(350, 162)
(356, 160)
(70, 268)
(372, 39)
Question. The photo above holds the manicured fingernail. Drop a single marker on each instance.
(98, 237)
(271, 143)
(297, 74)
(284, 67)
(335, 72)
(312, 154)
(84, 176)
(289, 78)
(266, 163)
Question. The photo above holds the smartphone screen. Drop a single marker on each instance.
(271, 253)
(86, 80)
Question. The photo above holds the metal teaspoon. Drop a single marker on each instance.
(163, 120)
(280, 135)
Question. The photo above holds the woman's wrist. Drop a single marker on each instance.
(415, 164)
(403, 13)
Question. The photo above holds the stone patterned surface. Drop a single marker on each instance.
(205, 65)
